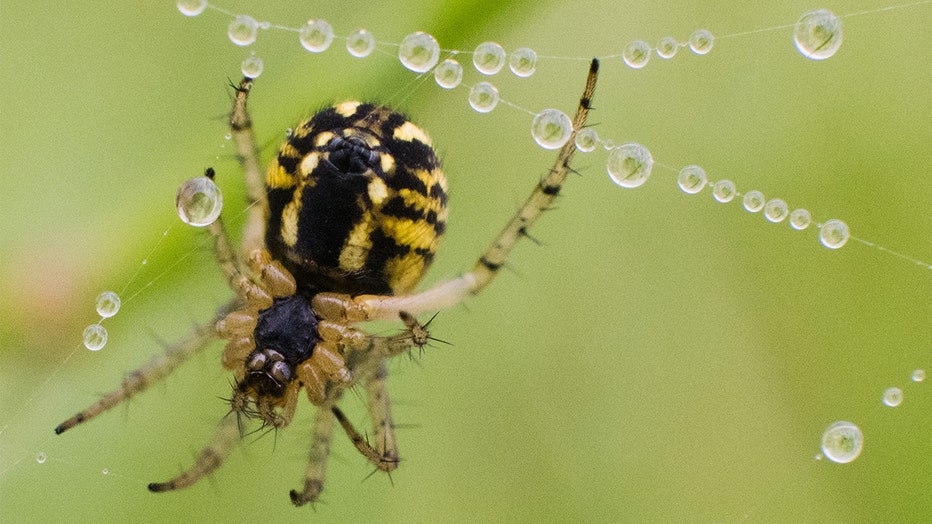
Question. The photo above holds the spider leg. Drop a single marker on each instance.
(317, 459)
(210, 458)
(346, 308)
(159, 367)
(248, 151)
(379, 406)
(360, 348)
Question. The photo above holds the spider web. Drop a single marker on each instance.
(658, 347)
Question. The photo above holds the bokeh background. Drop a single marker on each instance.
(660, 357)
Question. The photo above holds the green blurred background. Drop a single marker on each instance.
(661, 357)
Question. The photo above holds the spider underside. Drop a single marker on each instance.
(292, 324)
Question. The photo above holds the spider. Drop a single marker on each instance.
(340, 232)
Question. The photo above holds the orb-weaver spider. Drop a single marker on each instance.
(340, 232)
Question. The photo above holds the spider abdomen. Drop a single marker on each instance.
(357, 202)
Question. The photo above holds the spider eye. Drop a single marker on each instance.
(280, 372)
(256, 362)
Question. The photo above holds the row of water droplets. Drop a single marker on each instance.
(817, 35)
(843, 441)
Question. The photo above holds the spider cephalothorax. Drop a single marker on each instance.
(339, 232)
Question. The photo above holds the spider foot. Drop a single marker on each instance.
(386, 460)
(310, 493)
(417, 331)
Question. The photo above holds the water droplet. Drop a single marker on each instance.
(587, 140)
(191, 7)
(523, 62)
(252, 66)
(918, 375)
(483, 97)
(724, 191)
(893, 397)
(700, 42)
(95, 337)
(691, 179)
(551, 128)
(108, 304)
(41, 457)
(666, 47)
(800, 219)
(105, 471)
(448, 74)
(243, 30)
(833, 234)
(228, 136)
(636, 54)
(488, 58)
(753, 201)
(419, 52)
(360, 43)
(316, 35)
(817, 34)
(629, 165)
(199, 201)
(288, 133)
(842, 442)
(775, 210)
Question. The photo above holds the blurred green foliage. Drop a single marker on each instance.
(661, 357)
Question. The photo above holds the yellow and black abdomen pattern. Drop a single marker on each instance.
(357, 201)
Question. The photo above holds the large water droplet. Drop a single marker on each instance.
(243, 30)
(817, 34)
(691, 179)
(483, 97)
(775, 210)
(636, 54)
(448, 74)
(551, 128)
(800, 219)
(629, 165)
(199, 201)
(95, 337)
(419, 52)
(833, 234)
(488, 58)
(108, 304)
(666, 47)
(893, 397)
(842, 442)
(316, 35)
(523, 62)
(587, 140)
(360, 43)
(191, 7)
(753, 201)
(724, 191)
(252, 66)
(700, 42)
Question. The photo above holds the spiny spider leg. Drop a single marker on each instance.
(158, 367)
(346, 308)
(248, 152)
(362, 444)
(210, 458)
(317, 458)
